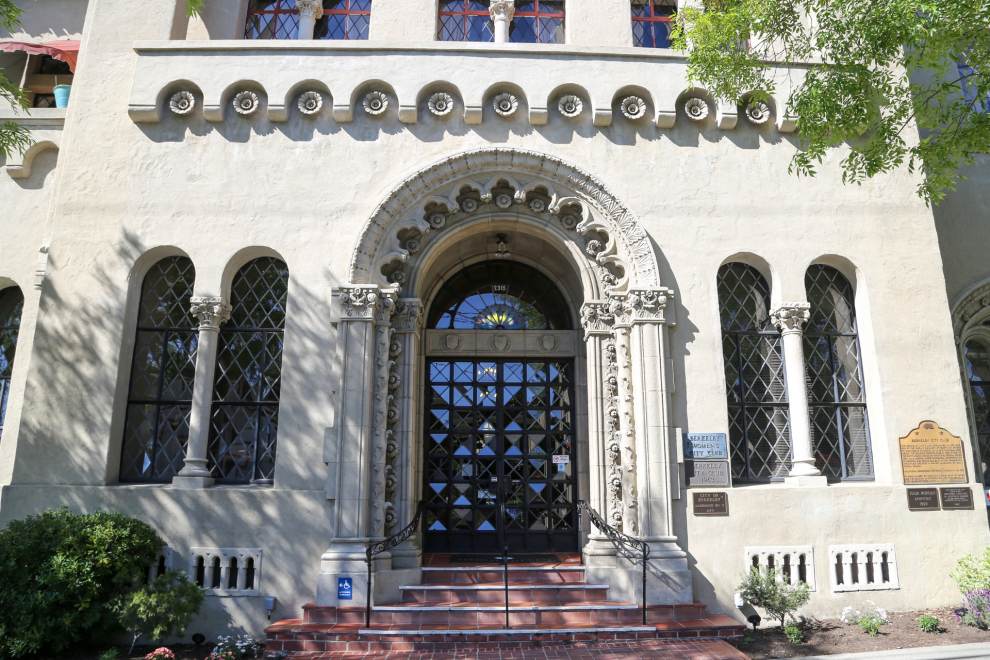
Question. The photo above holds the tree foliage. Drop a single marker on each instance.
(874, 69)
(161, 609)
(779, 599)
(13, 138)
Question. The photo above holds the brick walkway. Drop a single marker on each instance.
(628, 649)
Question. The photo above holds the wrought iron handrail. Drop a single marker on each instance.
(629, 546)
(377, 548)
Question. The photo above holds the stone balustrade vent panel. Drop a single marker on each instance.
(866, 567)
(791, 564)
(226, 571)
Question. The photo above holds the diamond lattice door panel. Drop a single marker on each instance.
(499, 456)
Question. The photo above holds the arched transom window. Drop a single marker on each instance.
(244, 417)
(162, 371)
(11, 306)
(976, 362)
(499, 295)
(759, 420)
(835, 377)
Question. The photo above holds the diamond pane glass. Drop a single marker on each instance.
(651, 22)
(11, 307)
(163, 367)
(464, 20)
(272, 19)
(759, 425)
(247, 383)
(344, 19)
(835, 377)
(539, 21)
(976, 354)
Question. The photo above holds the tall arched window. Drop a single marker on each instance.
(160, 397)
(976, 362)
(759, 420)
(835, 377)
(11, 306)
(244, 418)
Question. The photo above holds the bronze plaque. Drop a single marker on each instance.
(711, 504)
(922, 499)
(932, 455)
(956, 499)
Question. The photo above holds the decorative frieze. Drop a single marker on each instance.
(570, 106)
(440, 104)
(246, 102)
(633, 107)
(758, 112)
(696, 109)
(182, 103)
(505, 104)
(375, 103)
(310, 103)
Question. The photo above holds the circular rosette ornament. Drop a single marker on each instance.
(182, 103)
(570, 106)
(696, 109)
(376, 103)
(310, 103)
(758, 112)
(440, 104)
(246, 103)
(633, 107)
(506, 104)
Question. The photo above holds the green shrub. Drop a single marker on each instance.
(780, 600)
(929, 623)
(794, 634)
(870, 624)
(59, 574)
(110, 654)
(163, 608)
(972, 572)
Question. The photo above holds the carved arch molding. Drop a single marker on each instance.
(380, 319)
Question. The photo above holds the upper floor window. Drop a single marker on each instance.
(759, 418)
(159, 400)
(538, 22)
(272, 19)
(464, 20)
(344, 19)
(652, 22)
(248, 381)
(11, 305)
(836, 397)
(976, 362)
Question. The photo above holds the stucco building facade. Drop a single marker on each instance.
(271, 294)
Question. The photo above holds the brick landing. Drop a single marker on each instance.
(703, 649)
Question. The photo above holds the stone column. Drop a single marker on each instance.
(404, 452)
(351, 443)
(597, 323)
(310, 11)
(502, 12)
(790, 319)
(211, 312)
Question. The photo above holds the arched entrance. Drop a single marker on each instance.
(500, 459)
(513, 206)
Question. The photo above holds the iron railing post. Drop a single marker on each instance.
(645, 553)
(505, 575)
(379, 547)
(367, 595)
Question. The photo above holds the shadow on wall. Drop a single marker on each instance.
(65, 437)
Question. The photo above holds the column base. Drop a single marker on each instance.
(407, 555)
(192, 481)
(806, 481)
(346, 559)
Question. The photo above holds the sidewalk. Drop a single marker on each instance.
(954, 652)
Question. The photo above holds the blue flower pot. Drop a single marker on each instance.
(62, 95)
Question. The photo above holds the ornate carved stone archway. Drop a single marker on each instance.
(623, 316)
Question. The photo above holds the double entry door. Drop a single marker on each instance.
(499, 456)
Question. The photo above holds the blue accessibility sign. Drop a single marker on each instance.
(345, 588)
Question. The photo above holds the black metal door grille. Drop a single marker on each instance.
(499, 457)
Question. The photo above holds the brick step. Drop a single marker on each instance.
(473, 615)
(296, 638)
(565, 592)
(551, 574)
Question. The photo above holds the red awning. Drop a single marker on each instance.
(66, 50)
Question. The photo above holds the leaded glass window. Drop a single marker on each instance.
(464, 20)
(272, 19)
(499, 295)
(836, 398)
(759, 419)
(244, 416)
(162, 371)
(652, 21)
(344, 19)
(11, 306)
(976, 354)
(538, 22)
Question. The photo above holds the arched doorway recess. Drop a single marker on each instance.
(488, 205)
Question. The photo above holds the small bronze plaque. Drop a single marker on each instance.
(956, 499)
(922, 499)
(932, 455)
(711, 504)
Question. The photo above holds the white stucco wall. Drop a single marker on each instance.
(219, 191)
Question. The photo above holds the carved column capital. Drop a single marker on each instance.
(597, 318)
(648, 305)
(502, 10)
(791, 317)
(311, 7)
(210, 311)
(365, 303)
(408, 315)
